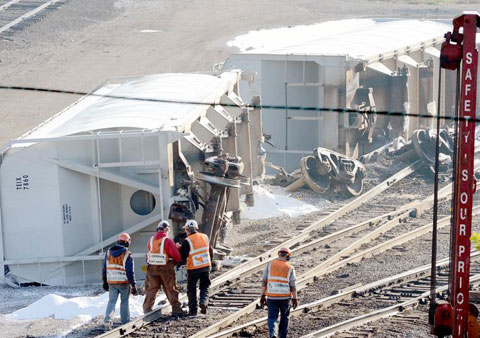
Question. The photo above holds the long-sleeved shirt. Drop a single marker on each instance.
(169, 247)
(185, 250)
(116, 250)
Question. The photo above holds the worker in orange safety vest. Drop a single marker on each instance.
(119, 279)
(162, 255)
(197, 251)
(278, 288)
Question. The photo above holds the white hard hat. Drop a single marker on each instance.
(162, 226)
(191, 225)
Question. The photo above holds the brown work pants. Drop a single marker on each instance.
(161, 276)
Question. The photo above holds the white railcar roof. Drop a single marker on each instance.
(357, 38)
(94, 113)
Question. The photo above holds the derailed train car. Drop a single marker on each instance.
(383, 65)
(116, 161)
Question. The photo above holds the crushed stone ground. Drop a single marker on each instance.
(83, 43)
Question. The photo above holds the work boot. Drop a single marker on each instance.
(180, 314)
(203, 308)
(107, 326)
(192, 311)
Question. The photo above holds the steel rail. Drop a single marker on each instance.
(346, 294)
(372, 316)
(305, 233)
(307, 276)
(326, 267)
(27, 15)
(334, 263)
(404, 238)
(356, 244)
(337, 261)
(344, 232)
(418, 206)
(321, 270)
(8, 4)
(302, 281)
(322, 240)
(329, 264)
(375, 315)
(233, 274)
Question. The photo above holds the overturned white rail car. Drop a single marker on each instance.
(106, 165)
(359, 64)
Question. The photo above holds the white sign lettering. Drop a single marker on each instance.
(468, 56)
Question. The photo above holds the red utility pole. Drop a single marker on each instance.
(463, 51)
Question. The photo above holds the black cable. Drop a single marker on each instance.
(433, 267)
(254, 106)
(454, 186)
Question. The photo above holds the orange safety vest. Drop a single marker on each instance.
(199, 255)
(116, 272)
(278, 279)
(157, 254)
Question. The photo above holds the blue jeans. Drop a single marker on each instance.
(274, 306)
(124, 291)
(192, 280)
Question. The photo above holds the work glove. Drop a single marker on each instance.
(263, 301)
(294, 303)
(105, 286)
(134, 290)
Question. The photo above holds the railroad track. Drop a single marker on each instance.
(15, 15)
(243, 272)
(347, 255)
(367, 231)
(310, 276)
(395, 299)
(235, 293)
(405, 289)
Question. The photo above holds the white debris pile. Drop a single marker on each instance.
(59, 307)
(231, 261)
(272, 38)
(358, 38)
(273, 202)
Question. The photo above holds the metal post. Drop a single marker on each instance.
(464, 175)
(160, 187)
(246, 153)
(99, 202)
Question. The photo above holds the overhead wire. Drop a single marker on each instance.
(253, 106)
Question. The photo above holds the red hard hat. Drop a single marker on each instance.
(286, 250)
(124, 237)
